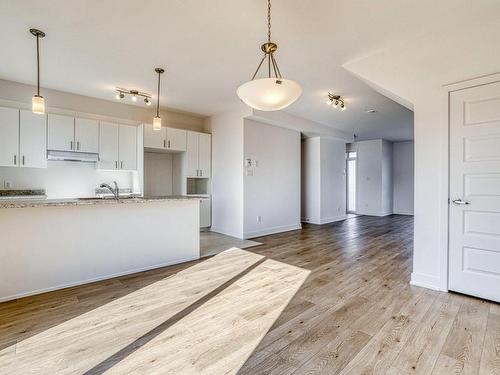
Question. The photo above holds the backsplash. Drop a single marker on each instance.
(66, 179)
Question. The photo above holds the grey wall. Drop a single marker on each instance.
(403, 170)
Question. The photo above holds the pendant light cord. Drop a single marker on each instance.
(37, 66)
(158, 97)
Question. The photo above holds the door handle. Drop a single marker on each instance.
(460, 202)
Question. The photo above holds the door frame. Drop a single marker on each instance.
(347, 181)
(446, 91)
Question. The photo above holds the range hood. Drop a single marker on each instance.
(85, 157)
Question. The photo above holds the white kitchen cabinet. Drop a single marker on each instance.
(9, 137)
(108, 145)
(204, 154)
(86, 135)
(155, 138)
(205, 213)
(61, 134)
(176, 139)
(32, 140)
(169, 139)
(127, 147)
(198, 155)
(117, 147)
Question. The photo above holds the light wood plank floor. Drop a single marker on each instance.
(355, 313)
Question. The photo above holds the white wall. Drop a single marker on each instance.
(458, 56)
(227, 173)
(66, 179)
(403, 171)
(374, 177)
(272, 188)
(333, 180)
(311, 180)
(323, 180)
(157, 174)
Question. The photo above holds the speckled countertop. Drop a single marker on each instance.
(20, 203)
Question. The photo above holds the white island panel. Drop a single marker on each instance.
(48, 248)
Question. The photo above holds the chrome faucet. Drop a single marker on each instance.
(115, 191)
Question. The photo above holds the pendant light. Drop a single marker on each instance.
(272, 93)
(37, 102)
(157, 119)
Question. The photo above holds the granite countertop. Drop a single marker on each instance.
(20, 203)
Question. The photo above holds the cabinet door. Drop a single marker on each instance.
(33, 140)
(61, 134)
(205, 214)
(176, 139)
(108, 145)
(128, 147)
(86, 135)
(9, 137)
(192, 155)
(204, 154)
(155, 138)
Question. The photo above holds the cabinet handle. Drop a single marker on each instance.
(78, 145)
(121, 164)
(168, 144)
(201, 172)
(116, 164)
(23, 159)
(71, 145)
(15, 159)
(164, 144)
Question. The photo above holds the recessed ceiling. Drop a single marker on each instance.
(210, 47)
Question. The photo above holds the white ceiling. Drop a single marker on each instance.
(210, 47)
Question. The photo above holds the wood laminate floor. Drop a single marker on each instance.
(253, 313)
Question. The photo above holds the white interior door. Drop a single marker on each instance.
(474, 254)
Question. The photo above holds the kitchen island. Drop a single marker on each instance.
(53, 244)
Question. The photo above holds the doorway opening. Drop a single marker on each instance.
(351, 157)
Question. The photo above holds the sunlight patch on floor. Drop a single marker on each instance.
(245, 293)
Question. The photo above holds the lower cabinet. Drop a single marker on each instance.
(205, 213)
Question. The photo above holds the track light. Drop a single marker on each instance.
(120, 94)
(335, 101)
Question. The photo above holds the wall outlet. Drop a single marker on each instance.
(259, 219)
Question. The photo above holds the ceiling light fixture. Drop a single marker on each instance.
(157, 119)
(336, 101)
(269, 94)
(37, 102)
(121, 92)
(147, 101)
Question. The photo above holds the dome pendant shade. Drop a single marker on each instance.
(269, 94)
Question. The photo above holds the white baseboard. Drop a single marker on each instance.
(409, 213)
(374, 213)
(325, 220)
(426, 281)
(92, 280)
(222, 231)
(272, 230)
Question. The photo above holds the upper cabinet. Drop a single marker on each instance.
(32, 140)
(69, 134)
(166, 139)
(86, 135)
(198, 155)
(9, 137)
(118, 147)
(23, 139)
